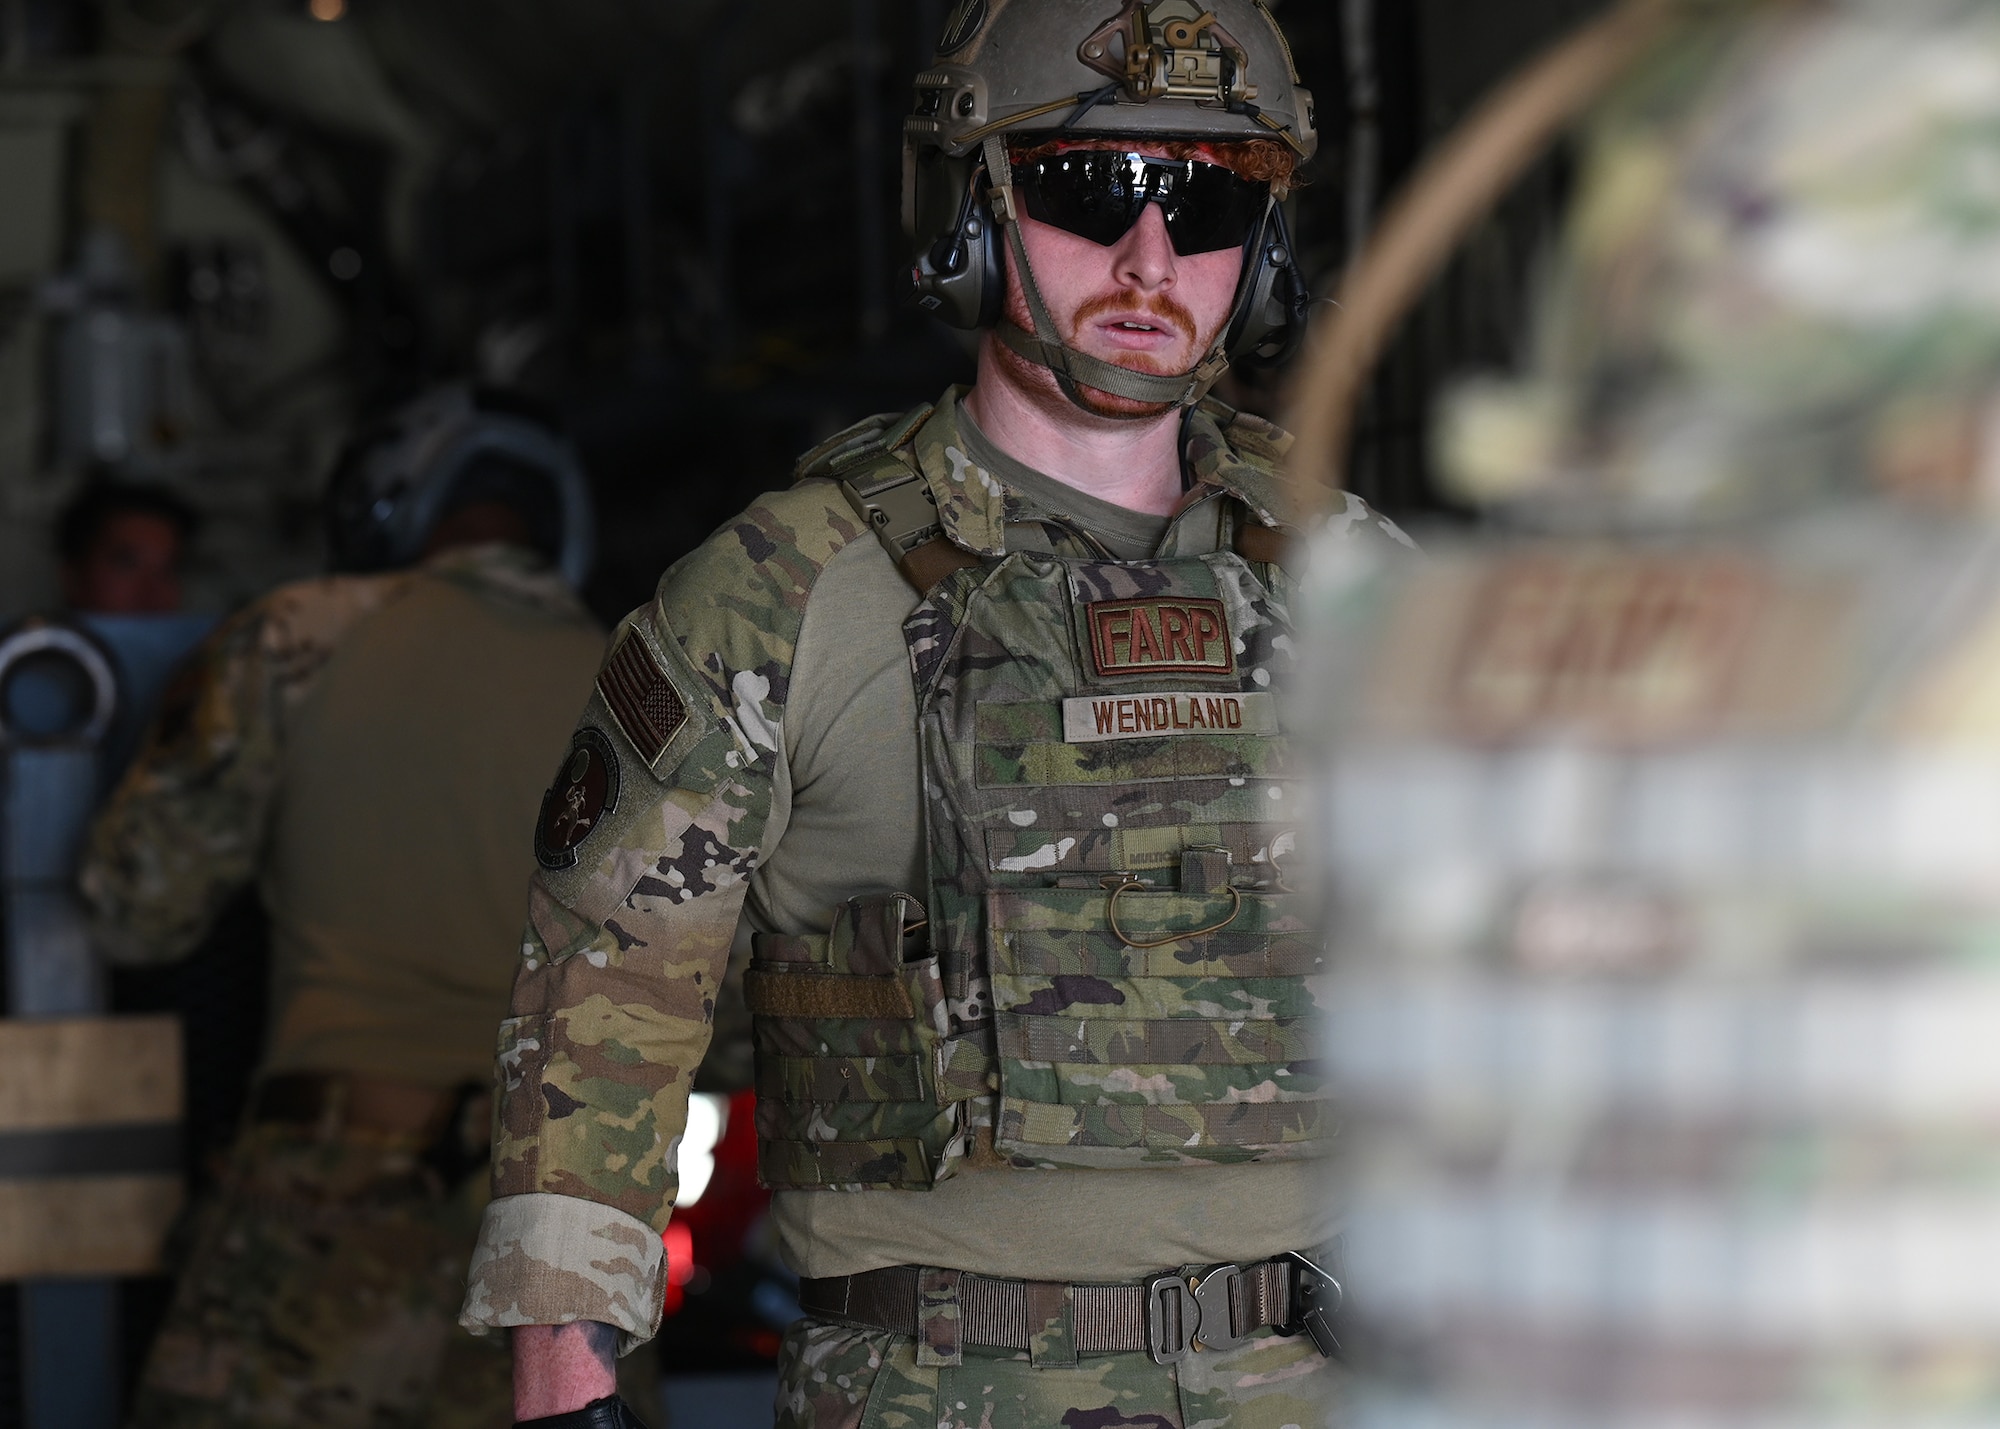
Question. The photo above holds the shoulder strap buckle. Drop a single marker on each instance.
(897, 505)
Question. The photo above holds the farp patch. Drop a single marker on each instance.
(1154, 636)
(586, 789)
(642, 699)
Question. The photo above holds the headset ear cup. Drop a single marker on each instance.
(955, 274)
(1270, 322)
(960, 279)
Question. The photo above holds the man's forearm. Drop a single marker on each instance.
(558, 1368)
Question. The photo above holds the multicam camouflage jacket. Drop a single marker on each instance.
(660, 818)
(185, 828)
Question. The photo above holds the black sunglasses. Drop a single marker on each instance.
(1100, 193)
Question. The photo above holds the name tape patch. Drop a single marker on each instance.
(1159, 635)
(642, 699)
(1097, 717)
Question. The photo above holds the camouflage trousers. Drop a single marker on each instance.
(834, 1377)
(320, 1290)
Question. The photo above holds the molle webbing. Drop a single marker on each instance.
(1111, 892)
(857, 1078)
(1112, 971)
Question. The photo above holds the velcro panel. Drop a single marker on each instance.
(1178, 1041)
(1168, 1128)
(815, 995)
(1017, 722)
(1052, 764)
(844, 1079)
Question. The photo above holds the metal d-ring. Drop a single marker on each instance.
(1235, 907)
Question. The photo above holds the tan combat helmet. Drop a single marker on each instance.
(1153, 71)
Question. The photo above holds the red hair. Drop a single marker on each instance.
(1261, 161)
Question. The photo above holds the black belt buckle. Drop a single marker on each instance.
(1316, 1298)
(1211, 1293)
(1186, 1313)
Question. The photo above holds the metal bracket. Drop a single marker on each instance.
(1316, 1298)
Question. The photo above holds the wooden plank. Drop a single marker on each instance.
(88, 1225)
(89, 1071)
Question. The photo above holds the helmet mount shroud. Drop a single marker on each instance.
(397, 481)
(1156, 71)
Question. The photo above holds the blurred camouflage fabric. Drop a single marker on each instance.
(1776, 280)
(255, 1337)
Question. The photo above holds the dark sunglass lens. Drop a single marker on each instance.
(1099, 194)
(1088, 193)
(1211, 209)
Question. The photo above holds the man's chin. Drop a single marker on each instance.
(1109, 404)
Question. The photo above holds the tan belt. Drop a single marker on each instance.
(336, 1102)
(1168, 1316)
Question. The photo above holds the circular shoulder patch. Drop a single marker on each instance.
(586, 789)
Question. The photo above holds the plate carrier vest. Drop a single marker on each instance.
(1112, 972)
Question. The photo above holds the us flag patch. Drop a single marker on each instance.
(641, 698)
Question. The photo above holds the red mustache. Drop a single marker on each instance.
(1162, 311)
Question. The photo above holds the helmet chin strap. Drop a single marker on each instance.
(1073, 369)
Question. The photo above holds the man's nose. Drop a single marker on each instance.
(1144, 257)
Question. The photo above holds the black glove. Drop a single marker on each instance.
(610, 1412)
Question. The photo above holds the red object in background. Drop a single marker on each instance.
(707, 1237)
(679, 1243)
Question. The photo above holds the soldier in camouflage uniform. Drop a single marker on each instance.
(967, 745)
(365, 747)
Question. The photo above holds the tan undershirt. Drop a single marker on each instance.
(1129, 535)
(413, 767)
(847, 820)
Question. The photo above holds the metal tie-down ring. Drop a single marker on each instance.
(40, 637)
(1111, 913)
